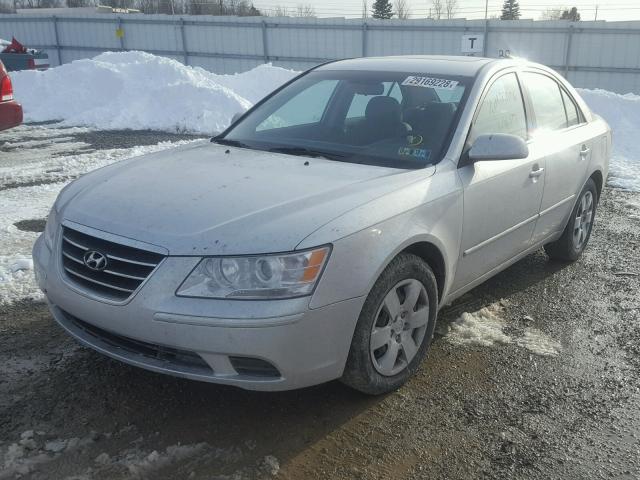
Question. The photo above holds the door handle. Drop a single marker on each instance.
(536, 173)
(584, 150)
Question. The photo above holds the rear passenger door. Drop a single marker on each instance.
(559, 135)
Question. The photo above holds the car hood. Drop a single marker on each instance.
(208, 199)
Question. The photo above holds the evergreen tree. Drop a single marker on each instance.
(382, 9)
(510, 10)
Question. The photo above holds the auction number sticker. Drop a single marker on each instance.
(429, 82)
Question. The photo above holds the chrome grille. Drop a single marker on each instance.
(127, 267)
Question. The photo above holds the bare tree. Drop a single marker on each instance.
(451, 8)
(80, 3)
(551, 14)
(403, 10)
(6, 7)
(305, 11)
(437, 9)
(37, 3)
(280, 11)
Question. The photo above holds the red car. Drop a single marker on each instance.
(10, 110)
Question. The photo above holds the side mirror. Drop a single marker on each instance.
(498, 146)
(235, 117)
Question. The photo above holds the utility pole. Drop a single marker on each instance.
(486, 10)
(364, 8)
(596, 18)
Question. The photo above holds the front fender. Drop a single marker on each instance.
(358, 259)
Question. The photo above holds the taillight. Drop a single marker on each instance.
(6, 89)
(31, 64)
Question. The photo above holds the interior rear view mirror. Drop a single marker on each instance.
(498, 146)
(362, 88)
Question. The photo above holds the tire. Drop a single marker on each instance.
(371, 367)
(577, 232)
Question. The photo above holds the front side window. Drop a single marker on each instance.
(501, 110)
(546, 99)
(396, 119)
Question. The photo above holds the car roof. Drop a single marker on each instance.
(432, 64)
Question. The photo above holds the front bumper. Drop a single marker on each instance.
(158, 331)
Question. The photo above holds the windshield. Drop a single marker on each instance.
(396, 119)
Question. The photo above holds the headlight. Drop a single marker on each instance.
(50, 227)
(265, 277)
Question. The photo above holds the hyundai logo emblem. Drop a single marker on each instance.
(95, 260)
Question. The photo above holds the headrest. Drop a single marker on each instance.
(383, 108)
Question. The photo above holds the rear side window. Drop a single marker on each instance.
(502, 110)
(573, 118)
(546, 100)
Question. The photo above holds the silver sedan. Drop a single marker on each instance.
(318, 236)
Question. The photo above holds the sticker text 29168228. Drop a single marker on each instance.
(429, 82)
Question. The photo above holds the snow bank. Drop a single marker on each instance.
(622, 113)
(137, 90)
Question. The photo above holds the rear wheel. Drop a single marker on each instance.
(577, 232)
(395, 327)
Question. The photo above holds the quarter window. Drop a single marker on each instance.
(573, 118)
(502, 110)
(546, 99)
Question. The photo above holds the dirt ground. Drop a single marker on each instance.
(472, 411)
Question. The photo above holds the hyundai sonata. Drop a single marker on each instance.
(316, 238)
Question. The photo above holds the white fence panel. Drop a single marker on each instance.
(591, 54)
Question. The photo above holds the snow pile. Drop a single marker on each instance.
(622, 113)
(537, 342)
(33, 450)
(137, 90)
(486, 328)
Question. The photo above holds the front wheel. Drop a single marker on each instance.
(395, 327)
(577, 232)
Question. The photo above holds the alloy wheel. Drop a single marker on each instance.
(399, 327)
(583, 220)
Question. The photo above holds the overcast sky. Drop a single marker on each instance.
(611, 10)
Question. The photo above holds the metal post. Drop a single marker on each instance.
(364, 39)
(184, 42)
(567, 52)
(57, 38)
(486, 28)
(265, 45)
(119, 28)
(485, 45)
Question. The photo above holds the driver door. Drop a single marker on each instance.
(501, 197)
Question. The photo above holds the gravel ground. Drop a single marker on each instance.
(472, 411)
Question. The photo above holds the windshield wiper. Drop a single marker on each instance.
(306, 152)
(230, 143)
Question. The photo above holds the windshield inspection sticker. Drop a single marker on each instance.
(429, 82)
(419, 153)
